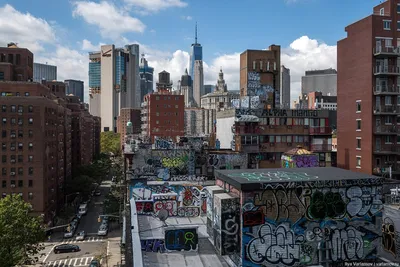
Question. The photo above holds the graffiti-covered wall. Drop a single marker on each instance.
(227, 161)
(390, 248)
(309, 223)
(178, 200)
(300, 161)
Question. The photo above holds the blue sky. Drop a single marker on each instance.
(165, 29)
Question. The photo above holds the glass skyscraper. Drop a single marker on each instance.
(196, 53)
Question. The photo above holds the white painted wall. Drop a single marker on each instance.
(224, 131)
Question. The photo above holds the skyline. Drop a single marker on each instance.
(165, 32)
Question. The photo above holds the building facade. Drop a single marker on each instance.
(113, 83)
(131, 115)
(199, 121)
(44, 72)
(163, 112)
(208, 88)
(265, 134)
(285, 87)
(198, 82)
(16, 64)
(186, 89)
(248, 222)
(146, 78)
(316, 100)
(324, 81)
(260, 76)
(367, 132)
(196, 53)
(75, 88)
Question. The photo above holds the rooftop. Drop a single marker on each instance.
(250, 179)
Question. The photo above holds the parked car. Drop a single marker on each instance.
(63, 248)
(97, 193)
(103, 230)
(95, 263)
(80, 236)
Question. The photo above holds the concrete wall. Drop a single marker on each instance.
(224, 131)
(286, 224)
(390, 247)
(327, 84)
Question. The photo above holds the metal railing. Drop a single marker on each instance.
(386, 50)
(321, 130)
(386, 109)
(389, 69)
(321, 147)
(386, 129)
(387, 149)
(392, 89)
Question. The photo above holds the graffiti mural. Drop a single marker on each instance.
(227, 161)
(178, 200)
(273, 176)
(297, 224)
(235, 103)
(153, 245)
(181, 239)
(253, 83)
(390, 243)
(300, 161)
(255, 102)
(160, 143)
(245, 102)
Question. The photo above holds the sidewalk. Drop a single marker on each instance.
(114, 249)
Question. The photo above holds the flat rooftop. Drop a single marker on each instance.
(250, 179)
(152, 228)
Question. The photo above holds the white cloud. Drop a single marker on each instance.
(24, 29)
(111, 21)
(88, 46)
(186, 17)
(153, 6)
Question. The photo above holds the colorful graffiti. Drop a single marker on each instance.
(274, 176)
(227, 161)
(181, 239)
(153, 245)
(178, 200)
(300, 161)
(163, 143)
(296, 224)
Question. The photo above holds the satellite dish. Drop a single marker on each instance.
(162, 215)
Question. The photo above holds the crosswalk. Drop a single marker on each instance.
(85, 261)
(87, 239)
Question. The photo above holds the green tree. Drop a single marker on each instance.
(20, 233)
(112, 202)
(110, 143)
(82, 184)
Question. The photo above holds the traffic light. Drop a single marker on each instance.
(99, 219)
(69, 228)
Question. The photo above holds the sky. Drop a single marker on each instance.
(62, 32)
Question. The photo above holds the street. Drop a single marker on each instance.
(92, 247)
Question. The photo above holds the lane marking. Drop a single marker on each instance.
(48, 254)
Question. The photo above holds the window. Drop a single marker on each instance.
(388, 139)
(4, 121)
(20, 146)
(3, 133)
(3, 184)
(20, 121)
(358, 106)
(157, 122)
(20, 171)
(254, 65)
(30, 183)
(176, 106)
(13, 108)
(3, 171)
(388, 120)
(13, 121)
(20, 133)
(388, 100)
(398, 25)
(30, 121)
(1, 75)
(382, 12)
(398, 8)
(18, 59)
(27, 94)
(157, 113)
(358, 147)
(20, 109)
(358, 125)
(358, 162)
(30, 194)
(30, 171)
(30, 108)
(4, 159)
(13, 158)
(30, 145)
(20, 158)
(4, 108)
(20, 183)
(386, 24)
(157, 98)
(3, 146)
(388, 42)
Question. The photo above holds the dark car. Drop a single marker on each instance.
(97, 193)
(66, 248)
(94, 263)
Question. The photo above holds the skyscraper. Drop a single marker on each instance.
(113, 83)
(198, 82)
(186, 89)
(196, 53)
(146, 78)
(44, 72)
(285, 87)
(75, 87)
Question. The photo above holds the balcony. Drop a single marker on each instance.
(281, 147)
(386, 70)
(387, 149)
(386, 90)
(386, 129)
(243, 129)
(321, 147)
(382, 51)
(320, 130)
(386, 110)
(283, 129)
(385, 170)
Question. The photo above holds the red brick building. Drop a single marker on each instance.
(128, 115)
(163, 112)
(368, 91)
(16, 64)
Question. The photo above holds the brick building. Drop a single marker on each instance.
(260, 76)
(163, 112)
(128, 115)
(16, 64)
(368, 92)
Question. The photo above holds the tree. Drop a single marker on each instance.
(82, 184)
(110, 143)
(112, 202)
(20, 233)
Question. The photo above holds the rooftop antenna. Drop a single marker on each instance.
(195, 38)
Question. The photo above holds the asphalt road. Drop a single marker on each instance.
(93, 246)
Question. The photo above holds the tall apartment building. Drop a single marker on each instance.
(16, 64)
(44, 72)
(199, 121)
(186, 89)
(265, 134)
(163, 112)
(196, 53)
(114, 83)
(131, 115)
(324, 81)
(285, 87)
(146, 78)
(260, 76)
(75, 88)
(198, 82)
(368, 93)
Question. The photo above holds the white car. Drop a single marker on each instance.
(68, 234)
(81, 236)
(103, 230)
